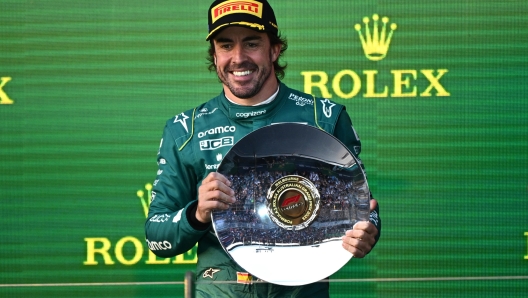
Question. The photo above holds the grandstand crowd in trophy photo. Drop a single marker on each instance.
(247, 221)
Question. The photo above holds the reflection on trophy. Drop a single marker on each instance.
(293, 203)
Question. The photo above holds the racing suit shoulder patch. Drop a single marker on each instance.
(327, 112)
(182, 127)
(186, 125)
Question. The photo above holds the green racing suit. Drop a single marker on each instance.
(193, 145)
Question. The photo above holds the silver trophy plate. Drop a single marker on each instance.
(298, 189)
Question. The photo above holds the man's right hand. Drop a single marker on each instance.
(214, 193)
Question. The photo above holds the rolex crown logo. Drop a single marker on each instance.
(375, 44)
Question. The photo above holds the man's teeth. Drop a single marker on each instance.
(242, 73)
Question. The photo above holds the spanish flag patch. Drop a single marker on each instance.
(244, 278)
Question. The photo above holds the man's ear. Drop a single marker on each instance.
(275, 51)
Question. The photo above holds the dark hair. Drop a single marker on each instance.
(274, 40)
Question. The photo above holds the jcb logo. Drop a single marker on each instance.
(4, 98)
(216, 143)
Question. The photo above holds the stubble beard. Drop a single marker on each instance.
(249, 89)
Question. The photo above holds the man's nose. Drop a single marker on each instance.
(238, 54)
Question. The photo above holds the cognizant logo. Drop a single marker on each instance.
(250, 114)
(129, 250)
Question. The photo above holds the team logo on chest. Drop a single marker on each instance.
(218, 157)
(217, 130)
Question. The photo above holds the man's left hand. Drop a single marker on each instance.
(360, 240)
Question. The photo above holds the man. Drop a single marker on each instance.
(245, 46)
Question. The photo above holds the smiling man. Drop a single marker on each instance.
(245, 49)
(244, 63)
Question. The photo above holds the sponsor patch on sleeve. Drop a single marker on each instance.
(244, 278)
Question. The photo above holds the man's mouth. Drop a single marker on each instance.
(242, 73)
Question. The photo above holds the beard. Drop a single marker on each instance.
(247, 89)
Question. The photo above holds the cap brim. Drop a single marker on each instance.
(254, 26)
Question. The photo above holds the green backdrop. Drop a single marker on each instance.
(86, 87)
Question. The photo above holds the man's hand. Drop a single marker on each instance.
(214, 193)
(361, 238)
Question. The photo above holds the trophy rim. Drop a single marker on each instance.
(289, 263)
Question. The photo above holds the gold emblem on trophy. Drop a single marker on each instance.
(293, 202)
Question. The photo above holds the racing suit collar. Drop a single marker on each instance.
(270, 99)
(251, 113)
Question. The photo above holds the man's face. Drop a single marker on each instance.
(244, 61)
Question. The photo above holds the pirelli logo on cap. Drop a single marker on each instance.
(235, 6)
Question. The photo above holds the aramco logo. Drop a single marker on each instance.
(129, 250)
